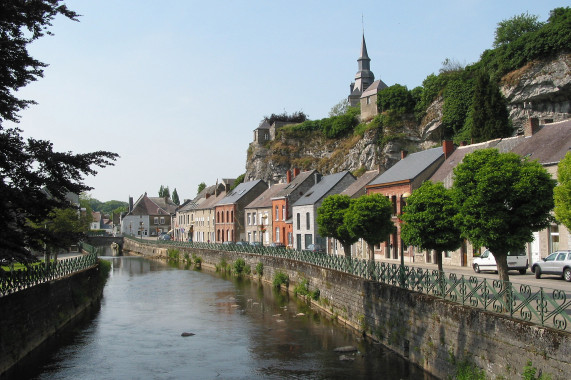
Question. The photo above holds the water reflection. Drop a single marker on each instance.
(243, 331)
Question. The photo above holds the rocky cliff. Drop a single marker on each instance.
(540, 89)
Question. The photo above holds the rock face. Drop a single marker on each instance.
(540, 89)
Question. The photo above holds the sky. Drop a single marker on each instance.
(176, 87)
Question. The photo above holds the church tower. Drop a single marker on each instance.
(364, 77)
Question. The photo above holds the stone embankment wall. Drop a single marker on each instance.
(30, 317)
(433, 333)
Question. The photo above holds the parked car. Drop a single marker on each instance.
(228, 242)
(241, 243)
(164, 237)
(315, 248)
(256, 243)
(516, 261)
(277, 245)
(558, 263)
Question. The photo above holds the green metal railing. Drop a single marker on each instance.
(539, 305)
(13, 281)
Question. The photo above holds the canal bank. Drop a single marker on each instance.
(31, 317)
(435, 334)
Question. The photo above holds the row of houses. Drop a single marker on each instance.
(285, 213)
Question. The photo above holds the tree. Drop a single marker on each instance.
(340, 108)
(369, 218)
(35, 179)
(511, 29)
(175, 199)
(396, 97)
(429, 220)
(502, 199)
(331, 221)
(488, 116)
(238, 181)
(562, 193)
(201, 186)
(164, 192)
(161, 191)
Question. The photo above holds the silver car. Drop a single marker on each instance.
(558, 263)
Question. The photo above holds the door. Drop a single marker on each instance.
(298, 242)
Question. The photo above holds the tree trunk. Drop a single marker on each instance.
(502, 264)
(439, 260)
(371, 249)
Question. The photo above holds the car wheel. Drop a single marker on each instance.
(537, 272)
(476, 268)
(522, 271)
(567, 274)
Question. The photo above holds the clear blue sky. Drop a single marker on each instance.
(176, 87)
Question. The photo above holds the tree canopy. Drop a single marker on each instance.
(501, 201)
(429, 220)
(511, 29)
(201, 186)
(331, 221)
(562, 193)
(35, 178)
(175, 198)
(369, 218)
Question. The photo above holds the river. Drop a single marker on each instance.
(243, 330)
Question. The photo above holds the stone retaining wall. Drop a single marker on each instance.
(433, 333)
(31, 316)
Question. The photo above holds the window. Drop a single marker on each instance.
(554, 237)
(156, 220)
(277, 237)
(307, 220)
(254, 218)
(276, 213)
(162, 220)
(283, 213)
(298, 221)
(249, 220)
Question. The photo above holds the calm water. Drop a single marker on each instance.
(243, 331)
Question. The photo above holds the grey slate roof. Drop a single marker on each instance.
(548, 145)
(319, 190)
(238, 192)
(357, 188)
(375, 87)
(264, 200)
(290, 187)
(409, 167)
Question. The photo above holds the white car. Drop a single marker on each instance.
(516, 261)
(558, 263)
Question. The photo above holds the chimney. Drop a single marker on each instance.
(403, 153)
(447, 148)
(288, 176)
(207, 195)
(130, 204)
(531, 127)
(295, 172)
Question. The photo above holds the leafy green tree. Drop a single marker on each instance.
(457, 100)
(35, 178)
(429, 220)
(488, 117)
(331, 221)
(511, 29)
(238, 181)
(201, 186)
(562, 193)
(501, 201)
(396, 97)
(175, 198)
(340, 108)
(369, 218)
(161, 191)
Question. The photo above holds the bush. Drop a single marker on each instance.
(260, 269)
(239, 265)
(197, 261)
(281, 278)
(173, 254)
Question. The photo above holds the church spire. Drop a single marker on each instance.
(364, 77)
